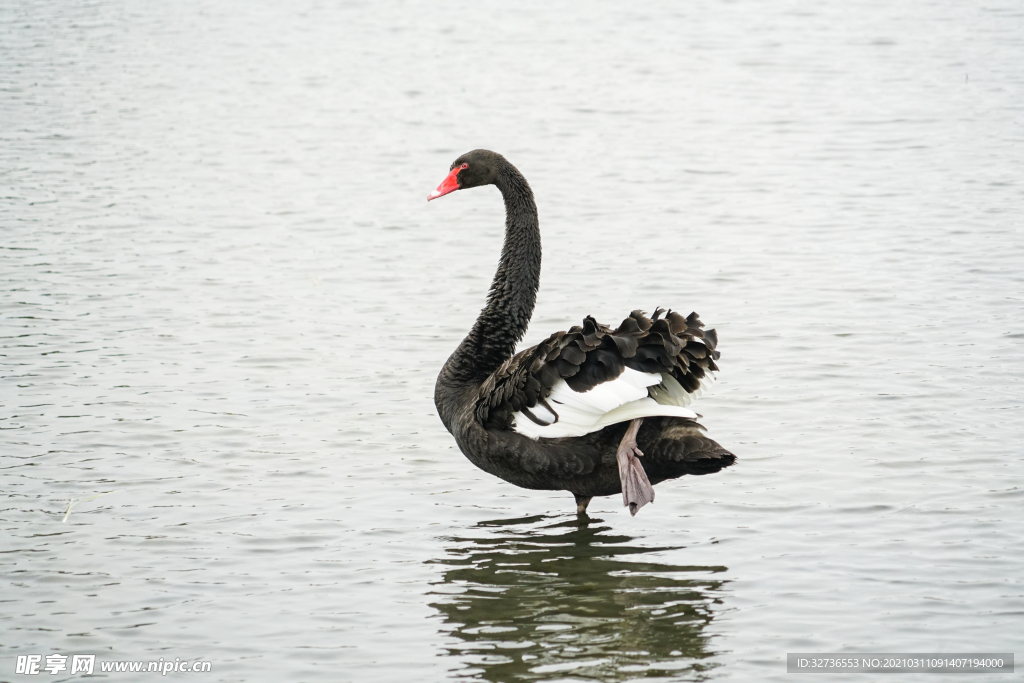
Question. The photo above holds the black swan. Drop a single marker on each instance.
(593, 411)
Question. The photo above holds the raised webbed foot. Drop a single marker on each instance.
(636, 487)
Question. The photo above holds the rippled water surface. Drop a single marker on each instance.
(224, 302)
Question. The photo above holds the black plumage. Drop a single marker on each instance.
(483, 383)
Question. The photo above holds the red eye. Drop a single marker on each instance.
(465, 166)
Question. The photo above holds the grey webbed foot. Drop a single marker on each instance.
(636, 487)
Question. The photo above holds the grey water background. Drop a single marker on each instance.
(225, 299)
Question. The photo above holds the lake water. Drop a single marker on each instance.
(225, 301)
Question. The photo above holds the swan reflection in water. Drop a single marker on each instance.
(533, 599)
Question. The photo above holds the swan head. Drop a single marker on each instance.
(472, 169)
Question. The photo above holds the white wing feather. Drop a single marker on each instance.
(631, 395)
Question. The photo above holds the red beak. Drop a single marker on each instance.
(450, 184)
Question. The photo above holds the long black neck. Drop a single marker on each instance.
(503, 321)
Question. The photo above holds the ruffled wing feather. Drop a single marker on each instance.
(568, 374)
